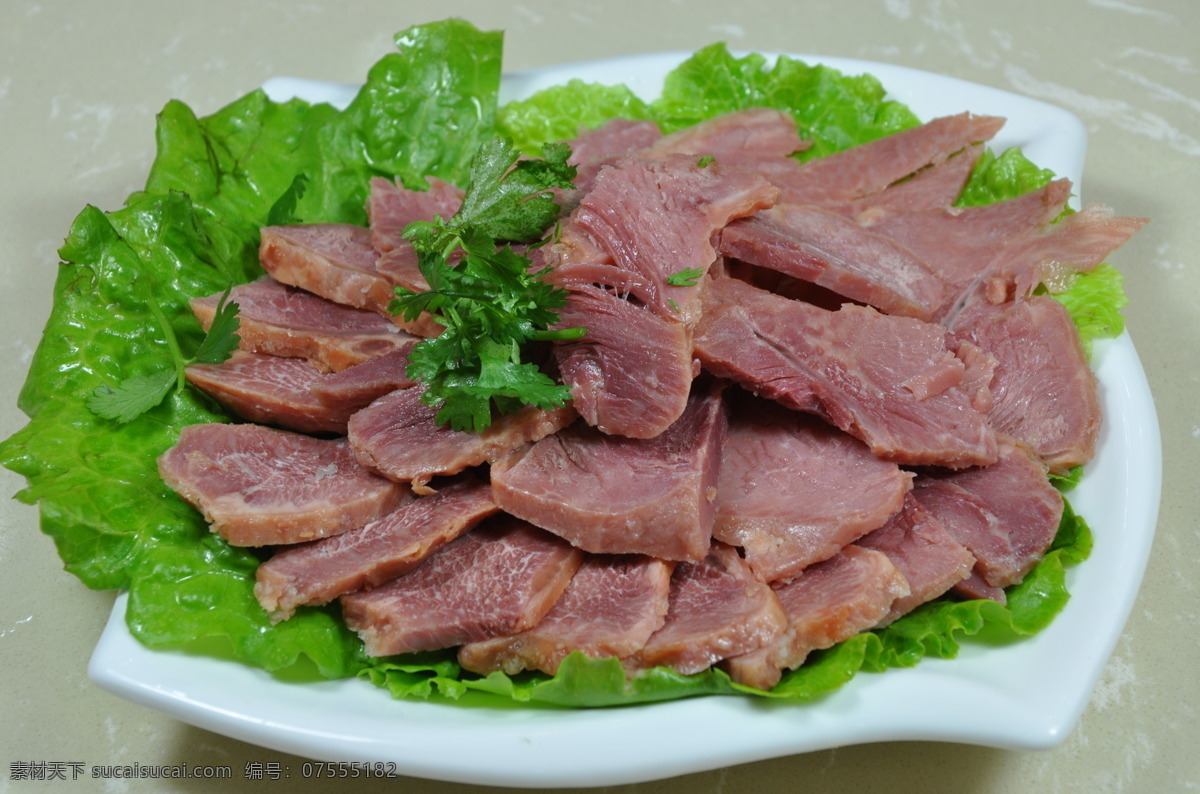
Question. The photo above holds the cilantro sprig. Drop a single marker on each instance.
(137, 394)
(491, 304)
(688, 277)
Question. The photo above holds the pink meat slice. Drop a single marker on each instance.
(391, 207)
(794, 490)
(1076, 244)
(611, 607)
(398, 436)
(716, 609)
(1006, 514)
(646, 221)
(935, 187)
(271, 390)
(286, 321)
(889, 381)
(831, 250)
(258, 486)
(593, 149)
(871, 167)
(616, 495)
(320, 571)
(333, 260)
(499, 579)
(827, 603)
(930, 559)
(745, 139)
(362, 384)
(1044, 394)
(632, 372)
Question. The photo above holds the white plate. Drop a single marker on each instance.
(1027, 695)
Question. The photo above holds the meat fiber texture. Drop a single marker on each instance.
(910, 397)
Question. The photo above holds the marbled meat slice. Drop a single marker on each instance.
(631, 373)
(827, 603)
(501, 578)
(871, 167)
(320, 571)
(593, 149)
(716, 609)
(1044, 394)
(259, 487)
(611, 607)
(1007, 513)
(286, 321)
(835, 252)
(271, 390)
(794, 490)
(617, 495)
(644, 222)
(333, 260)
(931, 560)
(399, 437)
(890, 381)
(935, 187)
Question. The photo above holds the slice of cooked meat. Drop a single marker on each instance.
(743, 139)
(611, 607)
(1044, 394)
(828, 249)
(794, 490)
(616, 495)
(286, 321)
(717, 609)
(271, 390)
(890, 381)
(259, 487)
(399, 437)
(333, 260)
(499, 579)
(931, 560)
(365, 383)
(827, 603)
(320, 571)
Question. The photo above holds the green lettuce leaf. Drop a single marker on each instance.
(120, 303)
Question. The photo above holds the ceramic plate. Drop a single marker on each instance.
(1027, 695)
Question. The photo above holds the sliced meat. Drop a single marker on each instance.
(333, 260)
(399, 437)
(611, 607)
(833, 251)
(499, 579)
(644, 222)
(1007, 514)
(935, 187)
(1044, 394)
(930, 559)
(320, 571)
(871, 167)
(749, 138)
(391, 207)
(717, 609)
(794, 490)
(889, 381)
(286, 321)
(827, 603)
(1076, 244)
(593, 149)
(632, 372)
(258, 487)
(271, 390)
(616, 495)
(362, 384)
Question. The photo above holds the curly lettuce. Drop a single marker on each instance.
(127, 275)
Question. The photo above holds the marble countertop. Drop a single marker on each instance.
(80, 85)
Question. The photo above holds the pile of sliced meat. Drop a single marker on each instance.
(811, 397)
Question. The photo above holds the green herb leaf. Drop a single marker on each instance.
(284, 209)
(688, 277)
(705, 161)
(222, 336)
(132, 397)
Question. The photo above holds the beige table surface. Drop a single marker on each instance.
(80, 84)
